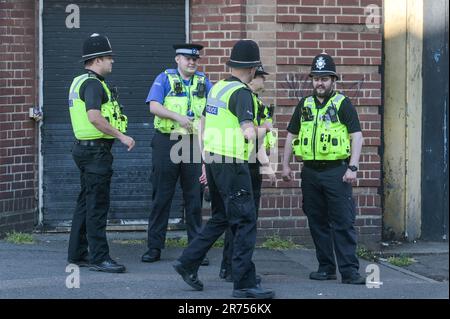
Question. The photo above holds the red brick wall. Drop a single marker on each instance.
(18, 86)
(290, 33)
(217, 24)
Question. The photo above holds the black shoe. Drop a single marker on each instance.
(255, 292)
(223, 273)
(355, 279)
(108, 265)
(205, 262)
(258, 280)
(319, 275)
(79, 262)
(152, 255)
(188, 276)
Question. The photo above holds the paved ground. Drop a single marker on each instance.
(38, 271)
(431, 258)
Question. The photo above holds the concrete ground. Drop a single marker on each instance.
(39, 271)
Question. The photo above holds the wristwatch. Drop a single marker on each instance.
(353, 168)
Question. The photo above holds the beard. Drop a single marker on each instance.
(324, 92)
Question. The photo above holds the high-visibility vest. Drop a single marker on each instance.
(184, 101)
(322, 136)
(111, 111)
(271, 137)
(223, 134)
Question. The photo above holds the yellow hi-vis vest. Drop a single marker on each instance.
(177, 100)
(223, 133)
(322, 136)
(111, 110)
(262, 111)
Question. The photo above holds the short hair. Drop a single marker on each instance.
(89, 62)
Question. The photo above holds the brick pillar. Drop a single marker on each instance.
(18, 156)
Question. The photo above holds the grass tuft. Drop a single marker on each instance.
(401, 261)
(176, 242)
(276, 243)
(19, 238)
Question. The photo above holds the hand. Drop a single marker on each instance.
(349, 176)
(128, 141)
(287, 174)
(267, 170)
(202, 179)
(268, 126)
(185, 122)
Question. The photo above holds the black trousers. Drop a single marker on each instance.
(329, 206)
(165, 174)
(88, 232)
(256, 179)
(232, 205)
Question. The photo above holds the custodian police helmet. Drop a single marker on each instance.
(245, 54)
(260, 71)
(322, 65)
(96, 46)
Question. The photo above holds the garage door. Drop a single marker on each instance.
(141, 34)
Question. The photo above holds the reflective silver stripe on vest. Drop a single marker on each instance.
(309, 101)
(74, 95)
(215, 101)
(338, 98)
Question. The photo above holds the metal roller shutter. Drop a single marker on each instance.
(141, 35)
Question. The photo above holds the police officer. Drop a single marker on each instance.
(177, 99)
(97, 120)
(325, 132)
(228, 135)
(262, 115)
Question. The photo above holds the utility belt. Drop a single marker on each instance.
(97, 142)
(176, 133)
(324, 165)
(161, 133)
(223, 159)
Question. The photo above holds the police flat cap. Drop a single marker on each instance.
(190, 49)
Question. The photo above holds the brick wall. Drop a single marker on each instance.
(18, 160)
(290, 33)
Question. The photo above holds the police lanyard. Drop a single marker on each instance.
(187, 90)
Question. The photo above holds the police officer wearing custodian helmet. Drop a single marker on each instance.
(329, 143)
(97, 120)
(229, 133)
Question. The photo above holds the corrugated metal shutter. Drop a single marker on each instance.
(141, 35)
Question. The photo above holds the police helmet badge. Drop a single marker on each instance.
(320, 63)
